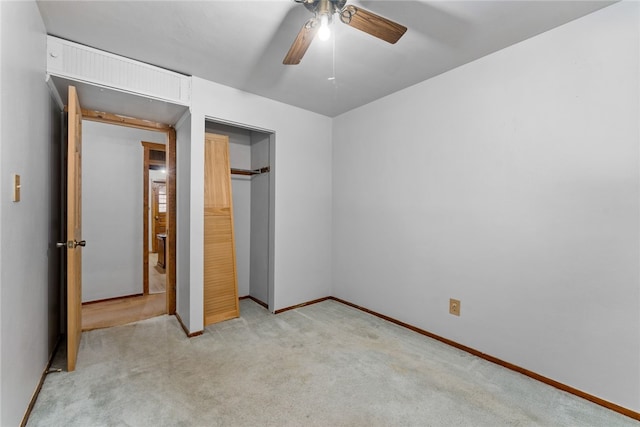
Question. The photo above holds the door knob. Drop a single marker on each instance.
(71, 244)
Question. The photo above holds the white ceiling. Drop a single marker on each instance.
(242, 43)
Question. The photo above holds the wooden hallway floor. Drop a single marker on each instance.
(122, 311)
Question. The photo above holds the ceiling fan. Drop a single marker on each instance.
(356, 17)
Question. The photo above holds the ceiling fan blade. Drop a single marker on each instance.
(373, 24)
(301, 43)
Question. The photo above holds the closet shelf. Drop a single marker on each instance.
(235, 171)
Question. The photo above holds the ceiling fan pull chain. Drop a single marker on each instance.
(333, 76)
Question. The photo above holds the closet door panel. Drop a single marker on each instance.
(220, 276)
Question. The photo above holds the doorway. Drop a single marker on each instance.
(155, 206)
(158, 237)
(114, 291)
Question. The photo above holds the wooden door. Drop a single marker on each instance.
(220, 278)
(158, 212)
(74, 229)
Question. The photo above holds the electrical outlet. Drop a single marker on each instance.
(454, 307)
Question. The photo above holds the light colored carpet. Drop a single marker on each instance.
(321, 365)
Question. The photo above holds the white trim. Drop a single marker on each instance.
(238, 125)
(182, 119)
(54, 92)
(85, 64)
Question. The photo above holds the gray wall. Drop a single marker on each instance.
(260, 217)
(510, 183)
(241, 191)
(183, 212)
(112, 159)
(30, 146)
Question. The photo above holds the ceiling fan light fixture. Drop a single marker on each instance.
(324, 33)
(355, 17)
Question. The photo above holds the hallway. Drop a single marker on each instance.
(120, 311)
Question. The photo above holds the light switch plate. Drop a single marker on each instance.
(16, 187)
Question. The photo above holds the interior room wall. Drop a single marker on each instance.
(112, 163)
(302, 189)
(510, 183)
(29, 145)
(183, 220)
(260, 196)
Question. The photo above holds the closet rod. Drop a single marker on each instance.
(250, 171)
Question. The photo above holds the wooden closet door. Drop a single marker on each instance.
(220, 278)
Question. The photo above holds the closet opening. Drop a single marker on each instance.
(251, 156)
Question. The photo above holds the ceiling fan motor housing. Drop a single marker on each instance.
(321, 7)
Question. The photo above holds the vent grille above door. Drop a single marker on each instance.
(77, 62)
